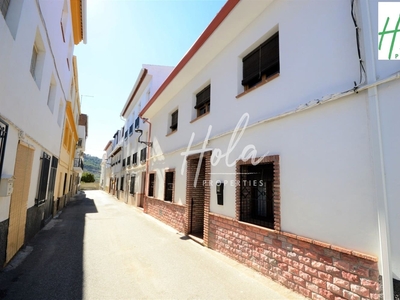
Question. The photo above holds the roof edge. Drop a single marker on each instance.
(139, 81)
(219, 18)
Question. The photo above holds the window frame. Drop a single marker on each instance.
(143, 155)
(267, 72)
(44, 171)
(134, 159)
(172, 172)
(121, 184)
(132, 184)
(274, 160)
(204, 104)
(174, 121)
(151, 184)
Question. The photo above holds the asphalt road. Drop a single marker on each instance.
(100, 248)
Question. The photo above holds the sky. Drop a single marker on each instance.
(121, 36)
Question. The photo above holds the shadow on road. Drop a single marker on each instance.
(54, 269)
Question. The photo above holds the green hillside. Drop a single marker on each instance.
(91, 164)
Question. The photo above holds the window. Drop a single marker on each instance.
(169, 186)
(128, 160)
(258, 192)
(37, 59)
(126, 135)
(203, 101)
(151, 184)
(60, 113)
(132, 186)
(134, 159)
(174, 121)
(261, 63)
(3, 138)
(43, 178)
(4, 7)
(122, 183)
(123, 162)
(51, 98)
(34, 60)
(63, 21)
(130, 129)
(143, 155)
(137, 123)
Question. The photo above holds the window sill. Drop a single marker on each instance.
(172, 132)
(199, 117)
(266, 80)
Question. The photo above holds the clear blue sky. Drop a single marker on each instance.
(121, 36)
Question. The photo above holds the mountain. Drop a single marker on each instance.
(91, 164)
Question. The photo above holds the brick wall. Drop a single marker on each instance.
(314, 269)
(171, 214)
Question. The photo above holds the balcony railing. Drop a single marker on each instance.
(78, 164)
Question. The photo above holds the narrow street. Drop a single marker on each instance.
(99, 248)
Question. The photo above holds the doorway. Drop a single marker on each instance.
(198, 195)
(19, 200)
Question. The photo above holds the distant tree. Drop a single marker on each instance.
(87, 177)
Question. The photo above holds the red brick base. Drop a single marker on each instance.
(314, 269)
(171, 214)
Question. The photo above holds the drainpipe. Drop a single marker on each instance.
(147, 158)
(375, 133)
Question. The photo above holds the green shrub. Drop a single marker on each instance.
(87, 177)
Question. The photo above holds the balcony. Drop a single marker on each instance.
(78, 165)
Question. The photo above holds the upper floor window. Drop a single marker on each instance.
(128, 160)
(174, 121)
(4, 7)
(261, 63)
(137, 123)
(143, 155)
(130, 129)
(203, 101)
(134, 159)
(123, 162)
(126, 135)
(35, 54)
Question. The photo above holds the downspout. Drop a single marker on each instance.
(147, 159)
(375, 133)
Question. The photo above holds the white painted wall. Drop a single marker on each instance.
(23, 101)
(326, 170)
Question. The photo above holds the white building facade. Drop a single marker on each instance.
(274, 142)
(127, 153)
(37, 40)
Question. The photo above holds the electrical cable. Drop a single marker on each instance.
(362, 69)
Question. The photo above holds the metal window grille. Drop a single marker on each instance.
(256, 194)
(169, 186)
(151, 184)
(4, 4)
(174, 120)
(132, 185)
(43, 178)
(264, 60)
(3, 139)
